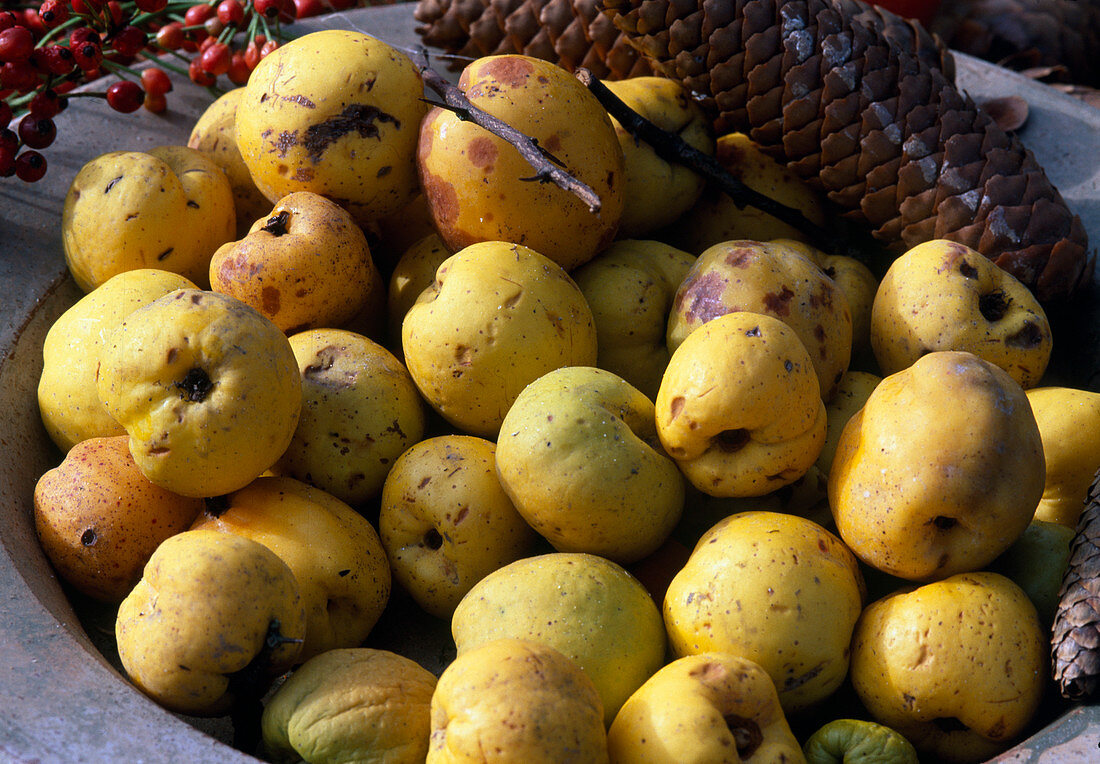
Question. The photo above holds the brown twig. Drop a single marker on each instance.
(673, 148)
(548, 168)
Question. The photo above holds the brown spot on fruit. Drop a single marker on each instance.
(746, 734)
(359, 118)
(285, 142)
(510, 71)
(739, 257)
(676, 406)
(482, 152)
(301, 100)
(703, 297)
(270, 300)
(553, 144)
(442, 200)
(779, 303)
(967, 270)
(1028, 336)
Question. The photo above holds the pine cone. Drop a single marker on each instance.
(1023, 34)
(848, 96)
(572, 33)
(1076, 637)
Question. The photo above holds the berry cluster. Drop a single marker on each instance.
(49, 47)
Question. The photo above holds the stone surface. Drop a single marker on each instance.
(60, 699)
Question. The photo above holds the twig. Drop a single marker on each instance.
(673, 148)
(547, 167)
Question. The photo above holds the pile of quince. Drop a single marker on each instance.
(681, 483)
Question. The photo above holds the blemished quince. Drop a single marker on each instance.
(334, 552)
(656, 191)
(774, 588)
(942, 295)
(360, 412)
(497, 317)
(207, 389)
(334, 112)
(351, 704)
(572, 602)
(716, 218)
(208, 605)
(446, 522)
(167, 208)
(305, 265)
(215, 134)
(1069, 424)
(477, 184)
(739, 407)
(711, 707)
(99, 519)
(68, 401)
(630, 287)
(960, 688)
(576, 454)
(774, 279)
(516, 700)
(958, 488)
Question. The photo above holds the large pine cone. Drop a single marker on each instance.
(572, 33)
(1075, 644)
(857, 108)
(1063, 34)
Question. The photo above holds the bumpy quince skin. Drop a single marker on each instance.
(207, 389)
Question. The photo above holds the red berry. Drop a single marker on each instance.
(9, 141)
(114, 8)
(129, 40)
(125, 96)
(53, 12)
(252, 51)
(44, 105)
(31, 21)
(200, 76)
(87, 7)
(196, 15)
(30, 166)
(216, 59)
(340, 5)
(170, 36)
(87, 55)
(5, 114)
(16, 44)
(287, 11)
(151, 6)
(155, 81)
(36, 133)
(7, 20)
(213, 26)
(20, 76)
(269, 9)
(306, 8)
(156, 103)
(238, 69)
(268, 48)
(82, 35)
(230, 12)
(54, 59)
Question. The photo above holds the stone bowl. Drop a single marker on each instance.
(62, 695)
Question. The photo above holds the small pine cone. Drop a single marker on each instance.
(1022, 34)
(1076, 638)
(852, 99)
(572, 33)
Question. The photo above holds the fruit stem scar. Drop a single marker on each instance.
(195, 385)
(276, 224)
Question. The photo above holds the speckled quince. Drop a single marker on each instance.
(334, 112)
(207, 389)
